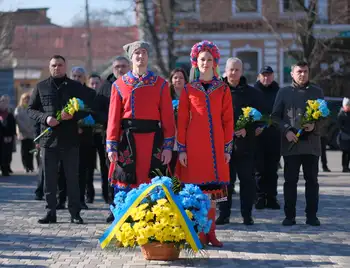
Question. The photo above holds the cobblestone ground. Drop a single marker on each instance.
(25, 243)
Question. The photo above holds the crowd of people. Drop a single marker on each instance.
(141, 130)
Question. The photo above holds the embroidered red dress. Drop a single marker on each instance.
(205, 131)
(145, 99)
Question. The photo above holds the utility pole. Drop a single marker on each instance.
(89, 66)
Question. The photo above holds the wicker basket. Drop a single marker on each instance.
(160, 252)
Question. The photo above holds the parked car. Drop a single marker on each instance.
(332, 128)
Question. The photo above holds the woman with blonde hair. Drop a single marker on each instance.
(25, 132)
(205, 130)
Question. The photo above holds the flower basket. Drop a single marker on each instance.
(161, 217)
(160, 251)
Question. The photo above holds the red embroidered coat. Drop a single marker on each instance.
(205, 131)
(148, 98)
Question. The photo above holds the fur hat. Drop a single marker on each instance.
(131, 47)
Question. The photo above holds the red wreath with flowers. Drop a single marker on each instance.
(204, 46)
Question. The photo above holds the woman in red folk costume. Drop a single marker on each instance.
(141, 127)
(205, 130)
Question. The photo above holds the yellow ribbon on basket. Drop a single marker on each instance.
(186, 224)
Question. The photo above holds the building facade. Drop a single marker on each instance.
(260, 32)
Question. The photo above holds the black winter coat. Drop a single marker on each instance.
(47, 100)
(242, 96)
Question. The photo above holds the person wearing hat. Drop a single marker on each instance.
(242, 158)
(268, 144)
(205, 130)
(141, 125)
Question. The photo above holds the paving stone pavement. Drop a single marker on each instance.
(25, 243)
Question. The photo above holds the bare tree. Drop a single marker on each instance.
(315, 48)
(156, 17)
(6, 33)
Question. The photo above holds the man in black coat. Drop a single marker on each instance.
(268, 144)
(288, 110)
(242, 159)
(87, 152)
(62, 142)
(121, 66)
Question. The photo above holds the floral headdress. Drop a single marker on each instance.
(200, 47)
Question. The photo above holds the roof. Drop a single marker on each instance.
(41, 42)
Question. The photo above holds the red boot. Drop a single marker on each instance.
(203, 238)
(211, 235)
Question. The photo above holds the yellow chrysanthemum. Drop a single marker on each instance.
(189, 214)
(316, 115)
(246, 111)
(162, 201)
(76, 104)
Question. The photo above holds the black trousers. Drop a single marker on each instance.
(40, 187)
(51, 158)
(87, 157)
(292, 166)
(6, 150)
(267, 160)
(27, 158)
(107, 191)
(324, 143)
(173, 162)
(345, 159)
(62, 185)
(243, 167)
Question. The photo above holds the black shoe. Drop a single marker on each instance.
(326, 169)
(83, 206)
(272, 203)
(346, 170)
(289, 222)
(222, 220)
(248, 220)
(314, 221)
(6, 173)
(89, 200)
(77, 219)
(261, 203)
(38, 197)
(110, 218)
(10, 171)
(48, 219)
(60, 206)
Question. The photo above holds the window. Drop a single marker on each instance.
(246, 6)
(240, 7)
(186, 6)
(292, 5)
(250, 61)
(288, 60)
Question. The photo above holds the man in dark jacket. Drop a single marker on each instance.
(87, 152)
(242, 159)
(121, 66)
(268, 144)
(288, 109)
(62, 142)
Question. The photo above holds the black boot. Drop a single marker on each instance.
(272, 203)
(83, 205)
(261, 203)
(289, 222)
(248, 220)
(222, 220)
(60, 206)
(326, 169)
(313, 221)
(49, 218)
(76, 219)
(110, 218)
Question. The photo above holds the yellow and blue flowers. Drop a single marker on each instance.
(154, 213)
(74, 105)
(315, 110)
(249, 116)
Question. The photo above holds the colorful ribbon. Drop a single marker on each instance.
(186, 224)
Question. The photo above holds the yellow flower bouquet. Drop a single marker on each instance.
(315, 110)
(158, 220)
(74, 105)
